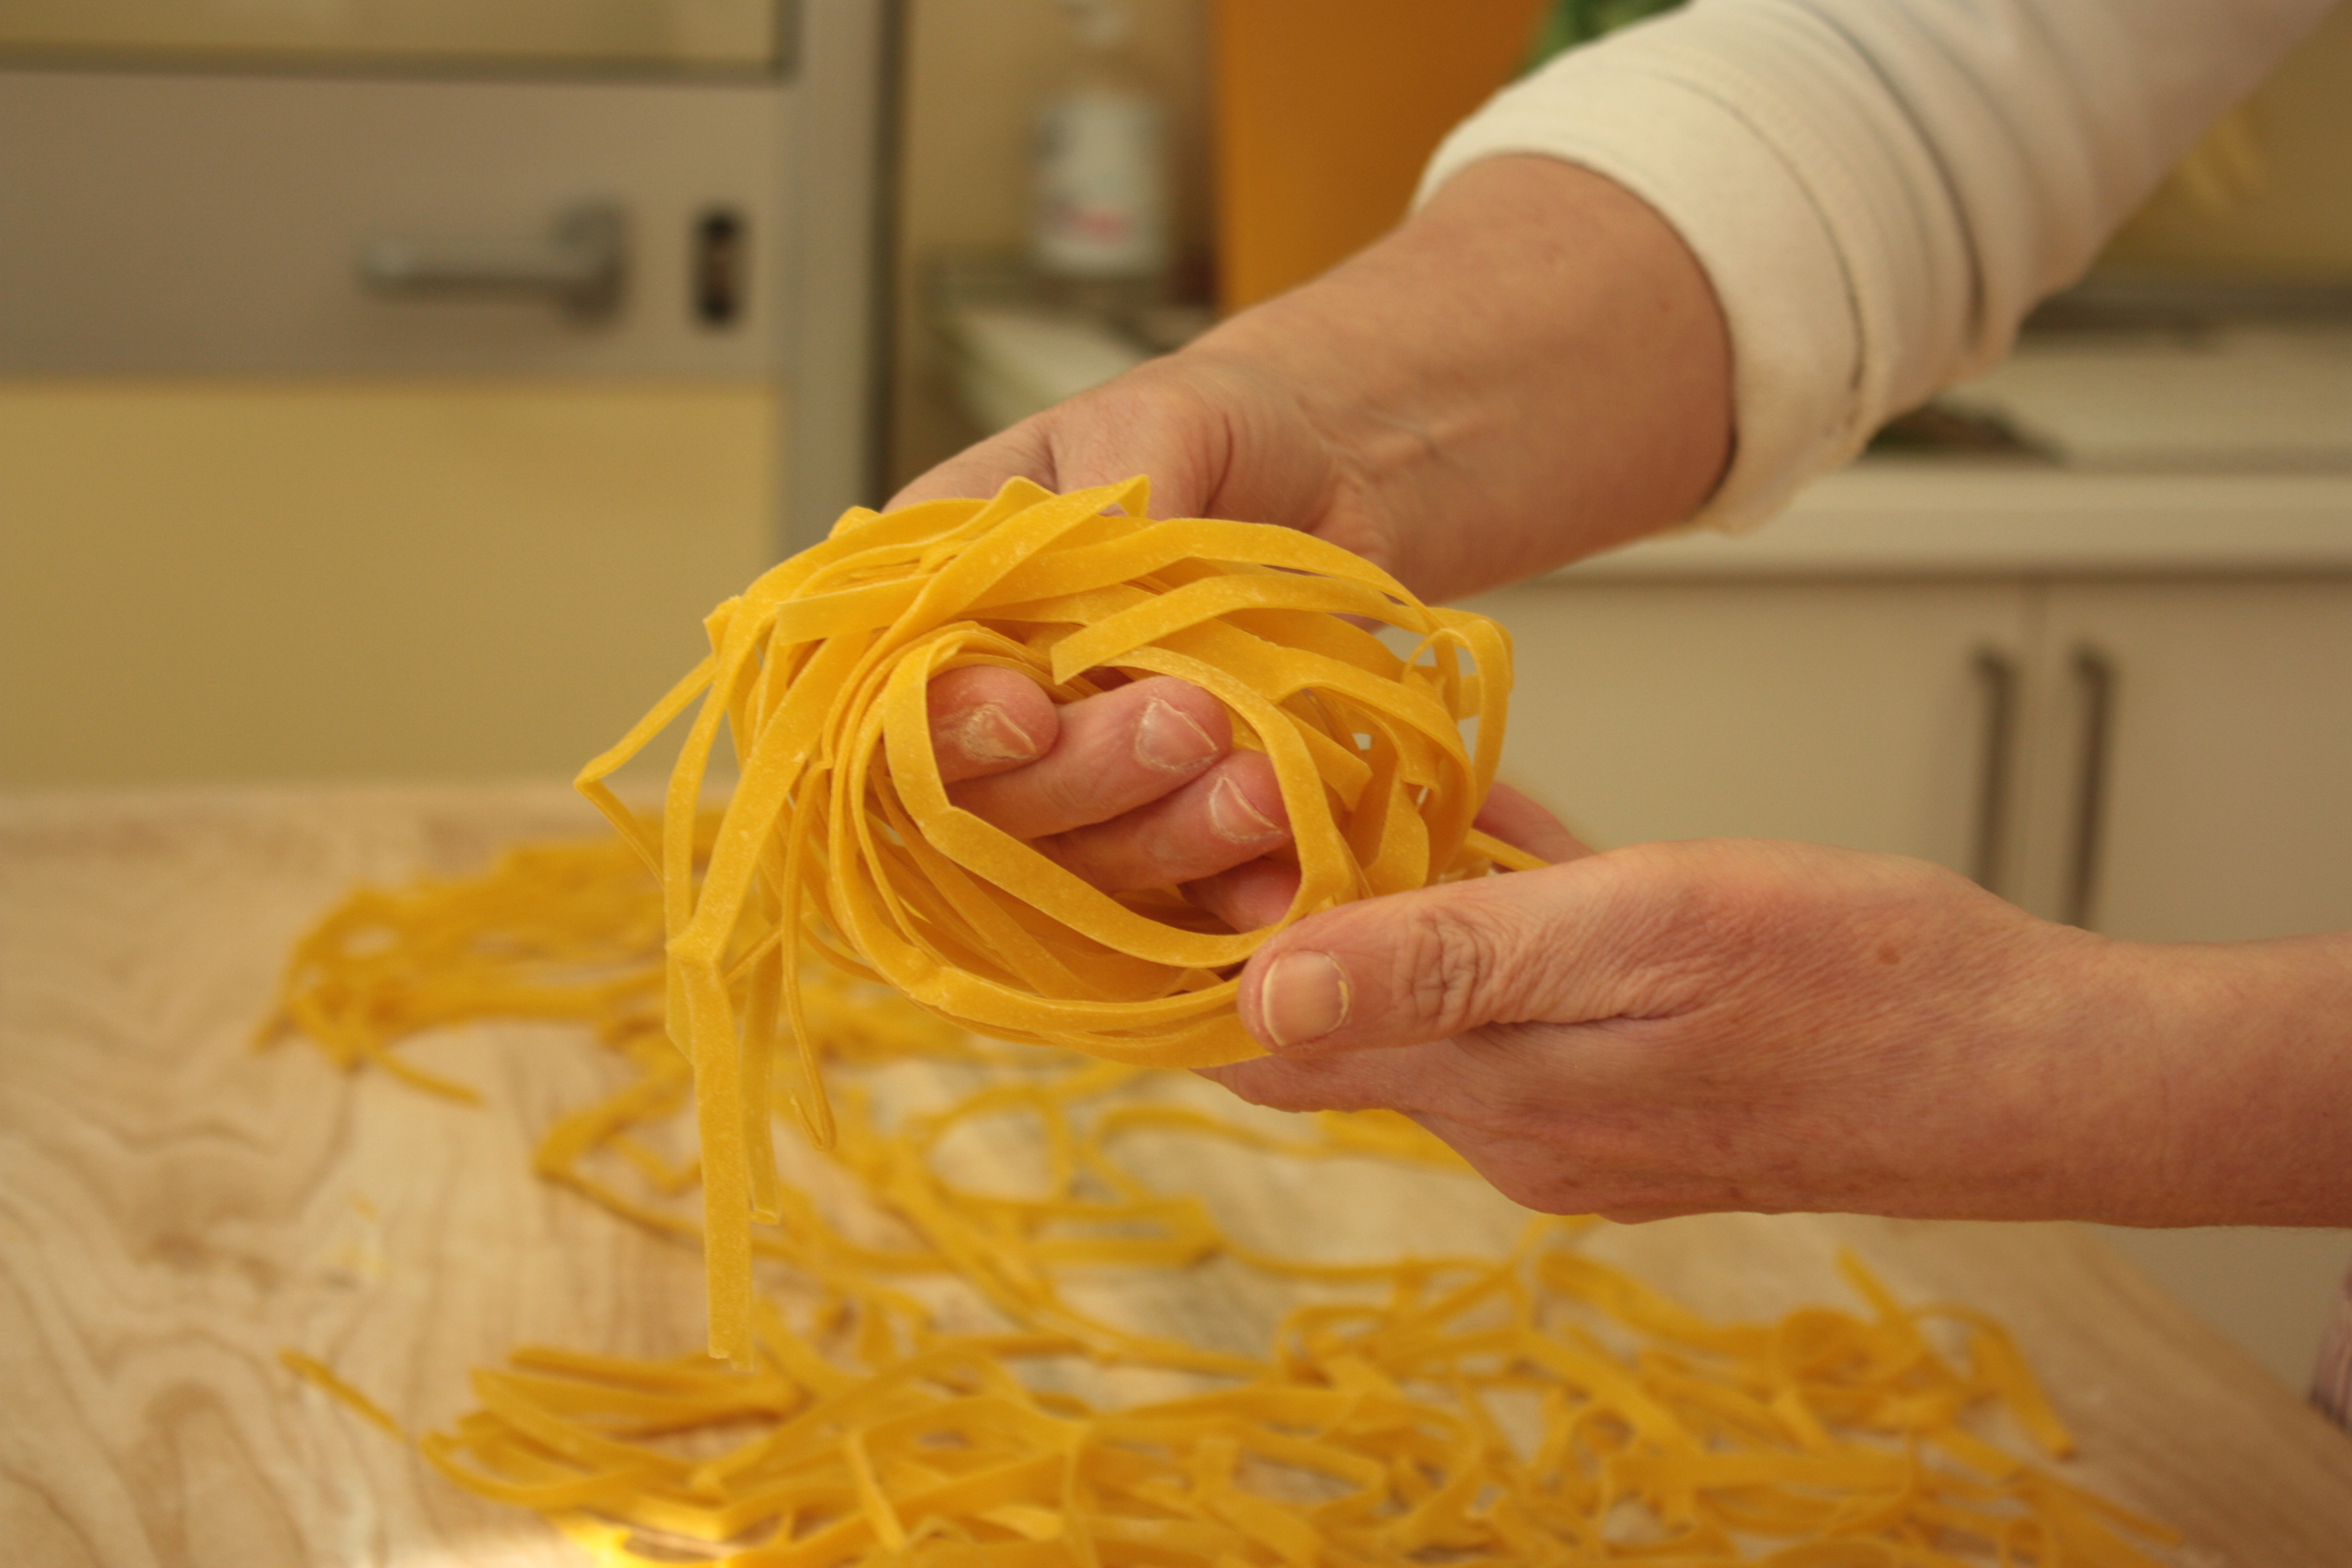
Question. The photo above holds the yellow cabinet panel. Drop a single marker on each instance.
(312, 580)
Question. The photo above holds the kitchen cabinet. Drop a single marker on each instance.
(2228, 756)
(1841, 713)
(2160, 760)
(398, 387)
(2158, 757)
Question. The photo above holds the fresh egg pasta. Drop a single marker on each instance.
(929, 1391)
(840, 840)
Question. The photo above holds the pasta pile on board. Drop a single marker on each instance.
(933, 1383)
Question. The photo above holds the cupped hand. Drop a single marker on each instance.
(1140, 786)
(1728, 1024)
(1220, 434)
(1530, 368)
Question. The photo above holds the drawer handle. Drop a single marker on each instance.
(2097, 682)
(582, 265)
(1997, 678)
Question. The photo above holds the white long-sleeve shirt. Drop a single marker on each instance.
(1880, 189)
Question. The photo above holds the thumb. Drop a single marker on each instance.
(1424, 965)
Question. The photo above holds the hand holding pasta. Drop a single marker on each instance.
(842, 842)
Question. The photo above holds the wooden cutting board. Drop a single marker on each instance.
(175, 1208)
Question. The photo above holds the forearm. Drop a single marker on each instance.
(2247, 1120)
(1534, 359)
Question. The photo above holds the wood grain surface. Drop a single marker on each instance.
(176, 1208)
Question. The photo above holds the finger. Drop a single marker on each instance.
(1251, 895)
(988, 721)
(1548, 944)
(1255, 894)
(1115, 752)
(1230, 813)
(1545, 1160)
(1532, 1151)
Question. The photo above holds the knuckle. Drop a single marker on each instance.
(1687, 917)
(1464, 966)
(1070, 795)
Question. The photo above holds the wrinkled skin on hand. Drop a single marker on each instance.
(1713, 1024)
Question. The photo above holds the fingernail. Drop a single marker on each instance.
(988, 734)
(1303, 997)
(1234, 819)
(1169, 739)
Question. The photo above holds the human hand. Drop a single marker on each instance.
(1736, 1024)
(1220, 431)
(1140, 787)
(1532, 368)
(1136, 787)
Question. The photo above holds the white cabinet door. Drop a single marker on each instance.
(2218, 815)
(1852, 713)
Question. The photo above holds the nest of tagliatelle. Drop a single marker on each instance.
(840, 840)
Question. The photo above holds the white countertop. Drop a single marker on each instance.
(1899, 516)
(2223, 450)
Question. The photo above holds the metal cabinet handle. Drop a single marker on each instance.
(2095, 678)
(582, 265)
(1997, 677)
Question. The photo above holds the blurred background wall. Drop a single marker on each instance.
(252, 569)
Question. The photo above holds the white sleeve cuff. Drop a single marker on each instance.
(1877, 190)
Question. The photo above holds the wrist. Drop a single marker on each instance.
(2241, 1088)
(1535, 351)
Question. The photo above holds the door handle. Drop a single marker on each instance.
(2096, 679)
(1997, 678)
(581, 265)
